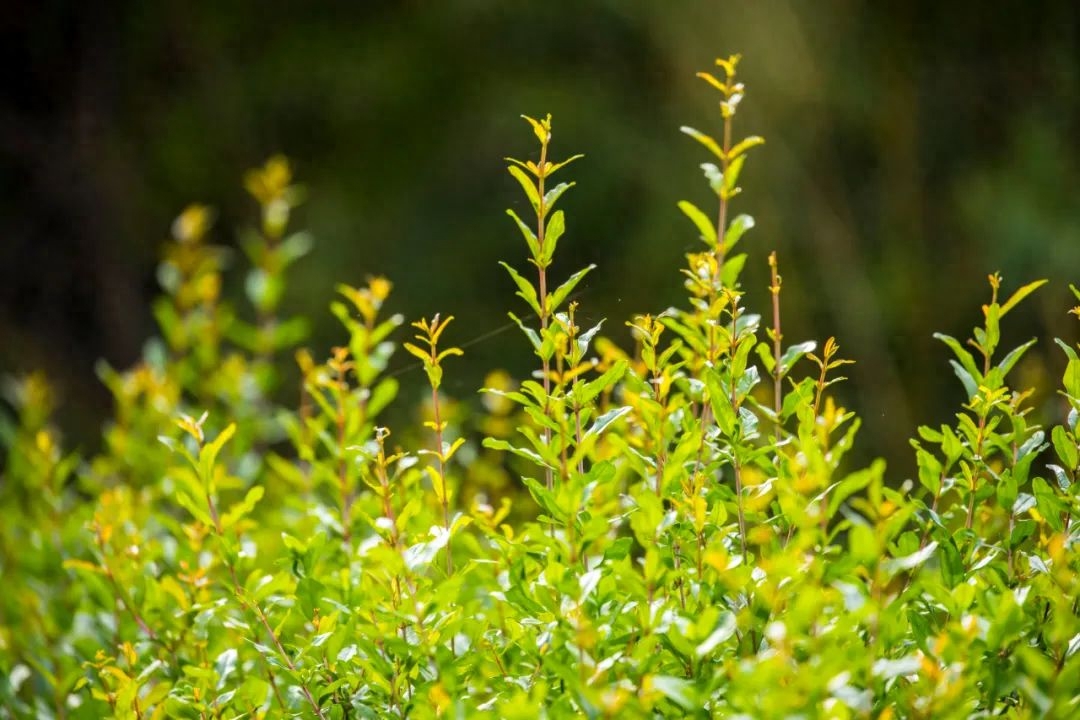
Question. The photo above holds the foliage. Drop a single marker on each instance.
(691, 542)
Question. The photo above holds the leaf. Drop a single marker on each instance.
(421, 554)
(731, 177)
(1065, 447)
(556, 298)
(619, 549)
(887, 669)
(544, 498)
(244, 507)
(543, 134)
(590, 390)
(714, 176)
(450, 448)
(293, 544)
(438, 483)
(736, 229)
(525, 289)
(793, 354)
(745, 144)
(552, 168)
(909, 562)
(383, 394)
(970, 386)
(1011, 359)
(529, 235)
(534, 337)
(225, 665)
(424, 356)
(705, 140)
(703, 224)
(964, 357)
(853, 483)
(606, 419)
(1050, 505)
(496, 444)
(1020, 295)
(526, 185)
(209, 453)
(723, 632)
(711, 79)
(552, 196)
(675, 689)
(929, 471)
(555, 228)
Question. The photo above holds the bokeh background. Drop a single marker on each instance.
(912, 148)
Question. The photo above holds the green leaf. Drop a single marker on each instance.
(619, 549)
(1050, 505)
(736, 229)
(970, 386)
(544, 498)
(383, 394)
(1065, 447)
(590, 390)
(555, 228)
(731, 177)
(993, 327)
(733, 267)
(853, 483)
(725, 629)
(703, 224)
(793, 354)
(534, 337)
(1071, 380)
(243, 507)
(705, 140)
(1006, 491)
(606, 419)
(929, 471)
(209, 453)
(526, 185)
(552, 196)
(496, 444)
(552, 169)
(1013, 357)
(909, 562)
(525, 289)
(293, 544)
(963, 356)
(677, 690)
(556, 298)
(529, 235)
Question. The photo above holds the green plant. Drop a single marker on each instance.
(689, 539)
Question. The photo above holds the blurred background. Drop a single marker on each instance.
(912, 148)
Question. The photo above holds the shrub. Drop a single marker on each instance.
(687, 541)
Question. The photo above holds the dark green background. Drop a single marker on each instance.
(912, 148)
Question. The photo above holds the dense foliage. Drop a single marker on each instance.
(691, 541)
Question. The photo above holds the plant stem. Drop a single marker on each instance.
(778, 374)
(442, 471)
(541, 213)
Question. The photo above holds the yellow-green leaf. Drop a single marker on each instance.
(703, 224)
(1020, 295)
(705, 140)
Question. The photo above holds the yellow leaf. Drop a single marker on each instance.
(711, 79)
(424, 356)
